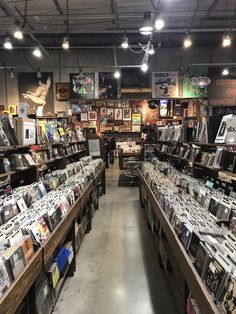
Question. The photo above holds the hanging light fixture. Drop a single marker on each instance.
(187, 41)
(144, 67)
(159, 24)
(39, 75)
(147, 27)
(12, 75)
(226, 41)
(18, 34)
(125, 43)
(117, 74)
(7, 44)
(37, 52)
(65, 43)
(225, 72)
(151, 50)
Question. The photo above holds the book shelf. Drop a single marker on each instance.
(179, 255)
(24, 286)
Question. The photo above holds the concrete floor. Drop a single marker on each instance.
(117, 265)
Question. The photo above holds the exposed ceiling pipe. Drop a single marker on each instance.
(214, 64)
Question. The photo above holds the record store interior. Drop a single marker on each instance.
(118, 157)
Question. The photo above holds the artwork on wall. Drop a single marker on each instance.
(164, 84)
(190, 90)
(126, 114)
(37, 92)
(62, 91)
(136, 122)
(83, 85)
(134, 79)
(107, 85)
(84, 116)
(118, 114)
(103, 111)
(110, 113)
(103, 120)
(92, 115)
(166, 108)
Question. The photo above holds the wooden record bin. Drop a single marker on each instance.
(20, 297)
(184, 275)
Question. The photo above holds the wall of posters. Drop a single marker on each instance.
(107, 86)
(37, 92)
(83, 85)
(193, 91)
(164, 84)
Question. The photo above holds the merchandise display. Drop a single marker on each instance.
(188, 206)
(31, 214)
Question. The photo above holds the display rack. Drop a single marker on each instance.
(179, 255)
(24, 286)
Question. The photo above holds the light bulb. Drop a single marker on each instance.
(226, 41)
(18, 34)
(37, 52)
(144, 67)
(117, 74)
(225, 72)
(65, 43)
(187, 42)
(159, 24)
(151, 50)
(147, 24)
(125, 43)
(7, 44)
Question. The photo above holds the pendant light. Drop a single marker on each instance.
(7, 44)
(65, 42)
(226, 40)
(147, 27)
(18, 34)
(37, 52)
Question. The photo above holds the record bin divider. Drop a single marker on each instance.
(192, 278)
(24, 286)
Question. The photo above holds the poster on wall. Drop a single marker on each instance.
(83, 85)
(136, 122)
(118, 114)
(134, 79)
(222, 90)
(62, 91)
(110, 113)
(92, 115)
(107, 85)
(190, 90)
(127, 114)
(37, 92)
(164, 84)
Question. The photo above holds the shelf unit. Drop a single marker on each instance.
(33, 173)
(24, 286)
(180, 256)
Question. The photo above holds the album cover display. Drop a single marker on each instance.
(228, 303)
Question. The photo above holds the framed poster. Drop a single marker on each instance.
(127, 114)
(92, 115)
(82, 85)
(189, 90)
(136, 122)
(164, 84)
(94, 147)
(110, 113)
(62, 91)
(84, 117)
(107, 85)
(38, 93)
(134, 79)
(118, 114)
(103, 111)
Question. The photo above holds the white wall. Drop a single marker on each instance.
(165, 59)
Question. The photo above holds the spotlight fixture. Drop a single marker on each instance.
(187, 42)
(144, 67)
(65, 43)
(225, 72)
(7, 44)
(147, 26)
(226, 41)
(151, 50)
(117, 74)
(125, 43)
(18, 34)
(12, 75)
(159, 24)
(39, 75)
(37, 52)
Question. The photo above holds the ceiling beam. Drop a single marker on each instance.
(209, 11)
(58, 7)
(5, 9)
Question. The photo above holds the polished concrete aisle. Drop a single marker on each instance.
(117, 267)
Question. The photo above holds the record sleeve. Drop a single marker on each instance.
(228, 303)
(5, 280)
(202, 259)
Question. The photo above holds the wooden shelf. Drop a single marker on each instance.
(75, 153)
(2, 175)
(190, 274)
(15, 294)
